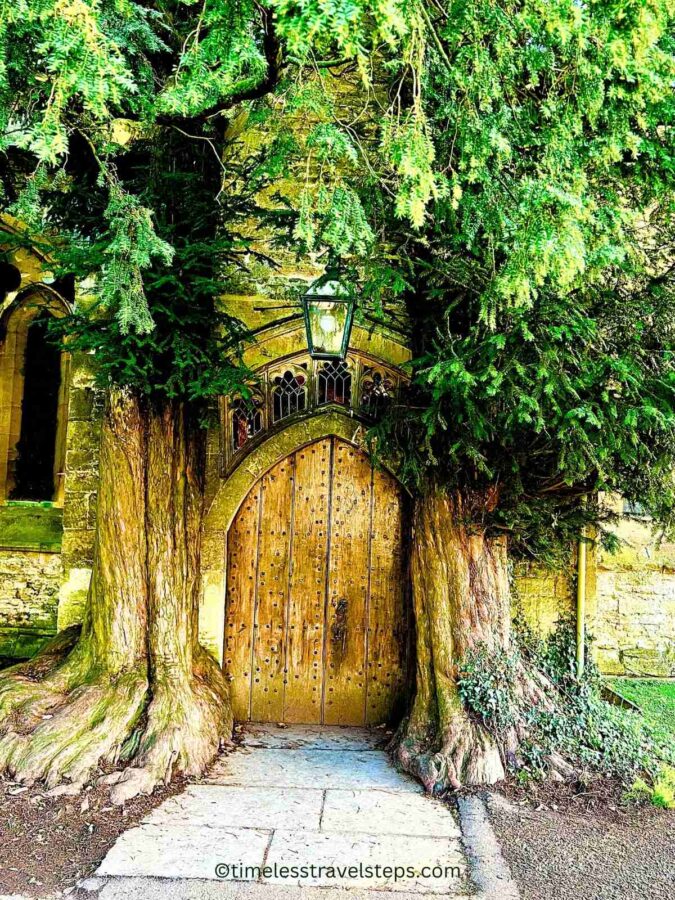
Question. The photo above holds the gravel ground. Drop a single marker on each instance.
(598, 854)
(48, 843)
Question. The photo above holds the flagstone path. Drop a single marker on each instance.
(300, 796)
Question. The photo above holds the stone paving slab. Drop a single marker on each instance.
(316, 737)
(382, 812)
(169, 889)
(295, 804)
(217, 806)
(342, 850)
(321, 769)
(175, 851)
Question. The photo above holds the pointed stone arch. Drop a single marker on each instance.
(15, 324)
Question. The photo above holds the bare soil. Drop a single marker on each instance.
(563, 842)
(47, 844)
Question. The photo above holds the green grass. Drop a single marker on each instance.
(656, 699)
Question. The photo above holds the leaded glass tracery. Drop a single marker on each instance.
(299, 386)
(247, 420)
(289, 394)
(377, 389)
(335, 383)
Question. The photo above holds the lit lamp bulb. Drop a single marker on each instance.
(328, 323)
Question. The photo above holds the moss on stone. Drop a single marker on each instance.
(19, 644)
(31, 526)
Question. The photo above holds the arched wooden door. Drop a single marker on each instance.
(316, 627)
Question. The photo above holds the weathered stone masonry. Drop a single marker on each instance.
(635, 621)
(79, 512)
(45, 551)
(29, 591)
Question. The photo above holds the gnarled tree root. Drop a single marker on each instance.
(30, 682)
(465, 754)
(184, 729)
(82, 728)
(53, 734)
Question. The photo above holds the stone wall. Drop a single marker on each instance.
(46, 553)
(81, 484)
(635, 623)
(29, 591)
(541, 596)
(30, 532)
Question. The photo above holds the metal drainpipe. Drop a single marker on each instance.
(581, 604)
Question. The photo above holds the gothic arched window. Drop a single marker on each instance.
(335, 383)
(247, 420)
(33, 400)
(289, 394)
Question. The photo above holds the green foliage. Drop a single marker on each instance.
(542, 292)
(578, 724)
(546, 110)
(656, 699)
(409, 146)
(351, 27)
(488, 684)
(131, 245)
(334, 219)
(509, 174)
(192, 350)
(330, 212)
(659, 792)
(565, 398)
(56, 55)
(221, 58)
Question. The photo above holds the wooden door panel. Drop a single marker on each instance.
(345, 639)
(306, 604)
(387, 610)
(242, 543)
(316, 622)
(267, 694)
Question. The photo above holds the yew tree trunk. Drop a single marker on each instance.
(461, 600)
(136, 685)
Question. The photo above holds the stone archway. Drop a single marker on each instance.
(316, 626)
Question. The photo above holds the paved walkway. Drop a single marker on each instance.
(295, 797)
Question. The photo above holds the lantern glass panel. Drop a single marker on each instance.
(327, 322)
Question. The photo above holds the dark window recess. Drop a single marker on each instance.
(34, 473)
(376, 394)
(10, 279)
(335, 383)
(246, 421)
(289, 395)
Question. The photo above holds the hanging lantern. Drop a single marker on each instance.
(328, 306)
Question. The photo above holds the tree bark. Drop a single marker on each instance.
(136, 685)
(461, 600)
